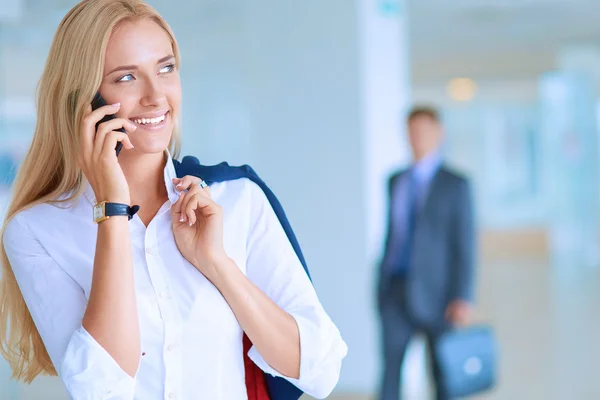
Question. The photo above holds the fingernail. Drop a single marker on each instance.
(117, 104)
(181, 219)
(190, 222)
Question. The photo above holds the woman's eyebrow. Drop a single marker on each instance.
(134, 67)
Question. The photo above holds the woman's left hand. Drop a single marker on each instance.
(198, 225)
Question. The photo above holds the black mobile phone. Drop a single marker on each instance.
(98, 102)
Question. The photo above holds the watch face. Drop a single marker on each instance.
(98, 212)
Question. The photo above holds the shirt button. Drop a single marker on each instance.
(171, 347)
(171, 395)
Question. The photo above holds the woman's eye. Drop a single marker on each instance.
(167, 69)
(125, 78)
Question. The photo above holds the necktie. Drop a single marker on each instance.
(404, 254)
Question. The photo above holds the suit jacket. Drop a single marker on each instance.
(442, 256)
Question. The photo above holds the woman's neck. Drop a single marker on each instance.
(145, 177)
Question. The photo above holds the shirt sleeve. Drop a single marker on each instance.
(57, 304)
(273, 266)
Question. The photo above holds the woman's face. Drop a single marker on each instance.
(140, 73)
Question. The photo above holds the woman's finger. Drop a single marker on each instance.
(192, 206)
(202, 204)
(199, 186)
(91, 118)
(110, 142)
(87, 134)
(194, 189)
(116, 124)
(186, 182)
(176, 213)
(190, 196)
(105, 129)
(190, 213)
(96, 115)
(186, 212)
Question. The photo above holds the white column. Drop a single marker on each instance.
(385, 97)
(385, 90)
(385, 79)
(569, 99)
(570, 166)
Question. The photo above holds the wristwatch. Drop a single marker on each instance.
(104, 210)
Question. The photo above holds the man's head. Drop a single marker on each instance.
(424, 131)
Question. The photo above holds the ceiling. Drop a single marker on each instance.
(448, 38)
(496, 38)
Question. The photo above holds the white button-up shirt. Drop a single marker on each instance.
(190, 338)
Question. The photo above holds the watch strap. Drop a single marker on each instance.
(114, 209)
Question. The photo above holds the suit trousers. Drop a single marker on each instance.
(397, 330)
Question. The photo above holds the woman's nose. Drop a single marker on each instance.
(152, 94)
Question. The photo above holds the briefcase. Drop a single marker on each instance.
(467, 359)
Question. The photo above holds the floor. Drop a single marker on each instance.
(548, 325)
(547, 321)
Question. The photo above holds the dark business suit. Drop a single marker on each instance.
(440, 270)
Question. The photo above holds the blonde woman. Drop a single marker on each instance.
(151, 304)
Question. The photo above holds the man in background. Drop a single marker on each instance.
(426, 275)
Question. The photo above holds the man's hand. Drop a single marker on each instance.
(458, 313)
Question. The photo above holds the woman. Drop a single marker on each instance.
(156, 306)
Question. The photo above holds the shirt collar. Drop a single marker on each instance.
(168, 174)
(425, 168)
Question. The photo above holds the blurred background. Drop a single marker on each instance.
(313, 94)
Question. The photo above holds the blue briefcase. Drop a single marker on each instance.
(467, 360)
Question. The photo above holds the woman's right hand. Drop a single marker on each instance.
(98, 159)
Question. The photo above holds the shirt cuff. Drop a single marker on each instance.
(321, 352)
(90, 373)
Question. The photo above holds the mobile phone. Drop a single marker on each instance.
(98, 102)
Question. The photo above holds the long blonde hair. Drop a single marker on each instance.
(71, 77)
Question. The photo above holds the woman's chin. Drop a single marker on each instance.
(148, 148)
(151, 141)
